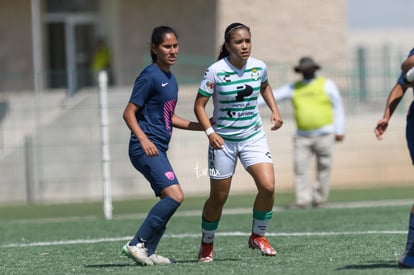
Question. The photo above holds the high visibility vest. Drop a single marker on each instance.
(101, 60)
(312, 106)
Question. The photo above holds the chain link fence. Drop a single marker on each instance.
(50, 142)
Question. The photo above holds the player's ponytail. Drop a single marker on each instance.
(223, 52)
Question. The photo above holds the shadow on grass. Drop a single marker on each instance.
(177, 262)
(107, 265)
(215, 260)
(387, 264)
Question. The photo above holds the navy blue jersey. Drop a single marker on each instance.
(401, 78)
(156, 92)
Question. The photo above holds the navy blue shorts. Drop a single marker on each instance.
(409, 131)
(157, 170)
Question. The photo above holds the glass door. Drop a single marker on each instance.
(70, 41)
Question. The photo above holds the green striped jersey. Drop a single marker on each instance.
(235, 92)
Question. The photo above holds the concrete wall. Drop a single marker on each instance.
(194, 22)
(283, 31)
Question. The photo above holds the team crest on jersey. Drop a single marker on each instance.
(210, 86)
(169, 175)
(255, 74)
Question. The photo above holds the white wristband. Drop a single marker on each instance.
(209, 131)
(409, 76)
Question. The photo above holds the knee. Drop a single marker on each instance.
(218, 200)
(174, 192)
(178, 198)
(267, 190)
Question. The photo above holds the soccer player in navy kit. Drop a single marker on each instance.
(150, 116)
(404, 82)
(234, 83)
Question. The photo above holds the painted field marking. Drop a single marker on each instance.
(197, 235)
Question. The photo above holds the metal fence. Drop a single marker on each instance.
(51, 142)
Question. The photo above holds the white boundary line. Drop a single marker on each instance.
(228, 211)
(233, 211)
(192, 235)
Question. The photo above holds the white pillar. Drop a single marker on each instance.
(106, 156)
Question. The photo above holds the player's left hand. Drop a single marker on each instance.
(276, 124)
(339, 138)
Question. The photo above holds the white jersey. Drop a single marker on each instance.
(235, 91)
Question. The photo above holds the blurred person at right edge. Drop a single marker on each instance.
(320, 122)
(405, 81)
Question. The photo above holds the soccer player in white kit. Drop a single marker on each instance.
(236, 132)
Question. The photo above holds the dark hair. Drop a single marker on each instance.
(227, 35)
(157, 38)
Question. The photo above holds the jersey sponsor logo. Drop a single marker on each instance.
(246, 91)
(169, 175)
(164, 84)
(233, 114)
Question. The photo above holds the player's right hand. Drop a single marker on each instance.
(216, 141)
(149, 148)
(381, 128)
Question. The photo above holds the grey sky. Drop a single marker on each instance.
(380, 14)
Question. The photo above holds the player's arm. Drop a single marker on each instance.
(130, 119)
(267, 94)
(405, 81)
(394, 98)
(200, 103)
(185, 124)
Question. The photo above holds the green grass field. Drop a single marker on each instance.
(359, 232)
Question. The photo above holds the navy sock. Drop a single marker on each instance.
(410, 239)
(153, 243)
(155, 222)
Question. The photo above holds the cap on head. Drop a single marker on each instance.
(306, 63)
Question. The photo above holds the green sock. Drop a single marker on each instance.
(208, 230)
(261, 221)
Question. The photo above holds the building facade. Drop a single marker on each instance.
(282, 31)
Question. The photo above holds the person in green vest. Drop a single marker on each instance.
(320, 121)
(101, 59)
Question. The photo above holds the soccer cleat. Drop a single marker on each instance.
(406, 261)
(125, 250)
(155, 258)
(206, 253)
(139, 254)
(261, 243)
(158, 259)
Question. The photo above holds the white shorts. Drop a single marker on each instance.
(222, 163)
